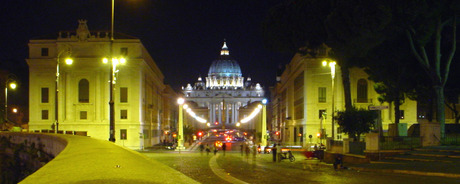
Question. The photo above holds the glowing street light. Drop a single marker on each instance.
(264, 122)
(180, 139)
(113, 70)
(68, 61)
(331, 64)
(11, 83)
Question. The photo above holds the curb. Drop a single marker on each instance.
(421, 173)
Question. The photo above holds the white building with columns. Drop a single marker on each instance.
(83, 98)
(223, 94)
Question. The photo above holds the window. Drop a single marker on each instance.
(83, 91)
(124, 114)
(124, 51)
(44, 51)
(45, 95)
(322, 94)
(401, 114)
(123, 95)
(321, 112)
(123, 134)
(83, 115)
(362, 91)
(44, 114)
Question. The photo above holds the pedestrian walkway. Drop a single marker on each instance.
(431, 161)
(89, 160)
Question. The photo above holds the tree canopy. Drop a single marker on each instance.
(355, 122)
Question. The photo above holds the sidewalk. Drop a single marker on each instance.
(88, 160)
(431, 161)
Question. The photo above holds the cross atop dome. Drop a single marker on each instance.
(224, 50)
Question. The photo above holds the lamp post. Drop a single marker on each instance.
(12, 84)
(264, 122)
(332, 66)
(68, 61)
(180, 139)
(113, 69)
(111, 102)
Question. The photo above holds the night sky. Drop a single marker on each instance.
(183, 36)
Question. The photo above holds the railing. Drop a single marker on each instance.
(399, 143)
(451, 139)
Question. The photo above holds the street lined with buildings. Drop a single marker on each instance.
(235, 168)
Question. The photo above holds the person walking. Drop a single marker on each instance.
(214, 148)
(224, 147)
(207, 149)
(201, 148)
(241, 148)
(274, 152)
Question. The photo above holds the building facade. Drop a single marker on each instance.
(223, 95)
(304, 92)
(83, 90)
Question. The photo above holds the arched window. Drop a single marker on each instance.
(83, 91)
(362, 91)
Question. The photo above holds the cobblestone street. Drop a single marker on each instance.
(235, 168)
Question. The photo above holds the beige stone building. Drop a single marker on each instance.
(304, 92)
(83, 98)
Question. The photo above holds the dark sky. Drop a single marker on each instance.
(183, 36)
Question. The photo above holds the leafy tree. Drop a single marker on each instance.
(430, 27)
(349, 28)
(355, 122)
(453, 92)
(395, 72)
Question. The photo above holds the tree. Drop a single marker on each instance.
(453, 92)
(395, 72)
(355, 122)
(349, 28)
(430, 27)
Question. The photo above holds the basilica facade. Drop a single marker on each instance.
(224, 97)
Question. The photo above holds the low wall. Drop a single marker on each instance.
(51, 144)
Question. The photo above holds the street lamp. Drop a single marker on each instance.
(331, 64)
(68, 61)
(11, 83)
(180, 140)
(113, 70)
(264, 122)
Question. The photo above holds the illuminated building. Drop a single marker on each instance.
(224, 94)
(304, 92)
(83, 103)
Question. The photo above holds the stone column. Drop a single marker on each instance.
(220, 112)
(227, 118)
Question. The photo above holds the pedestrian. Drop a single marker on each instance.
(207, 149)
(247, 151)
(215, 149)
(274, 152)
(241, 148)
(201, 148)
(224, 147)
(338, 162)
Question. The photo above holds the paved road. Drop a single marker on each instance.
(234, 168)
